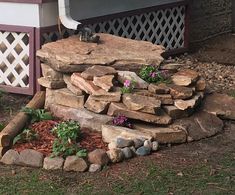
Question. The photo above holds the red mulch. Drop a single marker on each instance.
(88, 140)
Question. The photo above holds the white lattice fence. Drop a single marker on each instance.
(14, 59)
(165, 27)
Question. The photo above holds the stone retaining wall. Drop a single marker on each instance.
(209, 18)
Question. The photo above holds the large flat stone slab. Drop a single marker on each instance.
(116, 109)
(71, 55)
(86, 118)
(221, 105)
(201, 125)
(163, 134)
(74, 89)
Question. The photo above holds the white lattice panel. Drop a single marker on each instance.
(165, 27)
(14, 59)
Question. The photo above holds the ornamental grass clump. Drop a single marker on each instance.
(122, 121)
(65, 144)
(128, 86)
(151, 74)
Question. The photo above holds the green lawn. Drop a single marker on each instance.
(202, 178)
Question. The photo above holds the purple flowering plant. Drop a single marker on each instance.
(128, 86)
(122, 121)
(151, 74)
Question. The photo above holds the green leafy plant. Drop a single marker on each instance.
(151, 74)
(37, 115)
(27, 135)
(128, 86)
(65, 144)
(1, 126)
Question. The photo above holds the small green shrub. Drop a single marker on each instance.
(37, 115)
(1, 126)
(27, 135)
(66, 144)
(151, 74)
(128, 86)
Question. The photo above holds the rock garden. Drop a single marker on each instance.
(108, 102)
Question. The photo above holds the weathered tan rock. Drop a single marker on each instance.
(163, 135)
(51, 74)
(107, 96)
(74, 163)
(98, 71)
(73, 55)
(201, 125)
(64, 97)
(99, 157)
(185, 77)
(180, 92)
(120, 109)
(110, 133)
(85, 85)
(159, 88)
(74, 89)
(142, 103)
(116, 155)
(221, 105)
(132, 76)
(200, 84)
(11, 157)
(55, 163)
(104, 82)
(100, 107)
(86, 118)
(176, 113)
(165, 99)
(51, 84)
(31, 158)
(188, 104)
(171, 67)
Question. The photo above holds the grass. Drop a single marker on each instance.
(203, 178)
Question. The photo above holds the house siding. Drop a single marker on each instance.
(209, 18)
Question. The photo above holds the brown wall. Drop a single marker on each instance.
(210, 18)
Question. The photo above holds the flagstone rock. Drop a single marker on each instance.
(116, 109)
(104, 82)
(73, 55)
(51, 83)
(74, 89)
(176, 113)
(159, 88)
(200, 84)
(221, 105)
(85, 85)
(64, 97)
(142, 103)
(185, 77)
(111, 132)
(74, 163)
(171, 67)
(181, 92)
(86, 118)
(132, 76)
(98, 71)
(188, 104)
(11, 157)
(55, 163)
(201, 125)
(112, 145)
(165, 99)
(163, 134)
(51, 74)
(100, 107)
(98, 156)
(116, 155)
(32, 158)
(107, 96)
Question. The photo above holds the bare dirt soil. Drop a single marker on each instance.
(203, 167)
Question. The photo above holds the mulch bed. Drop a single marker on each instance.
(88, 140)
